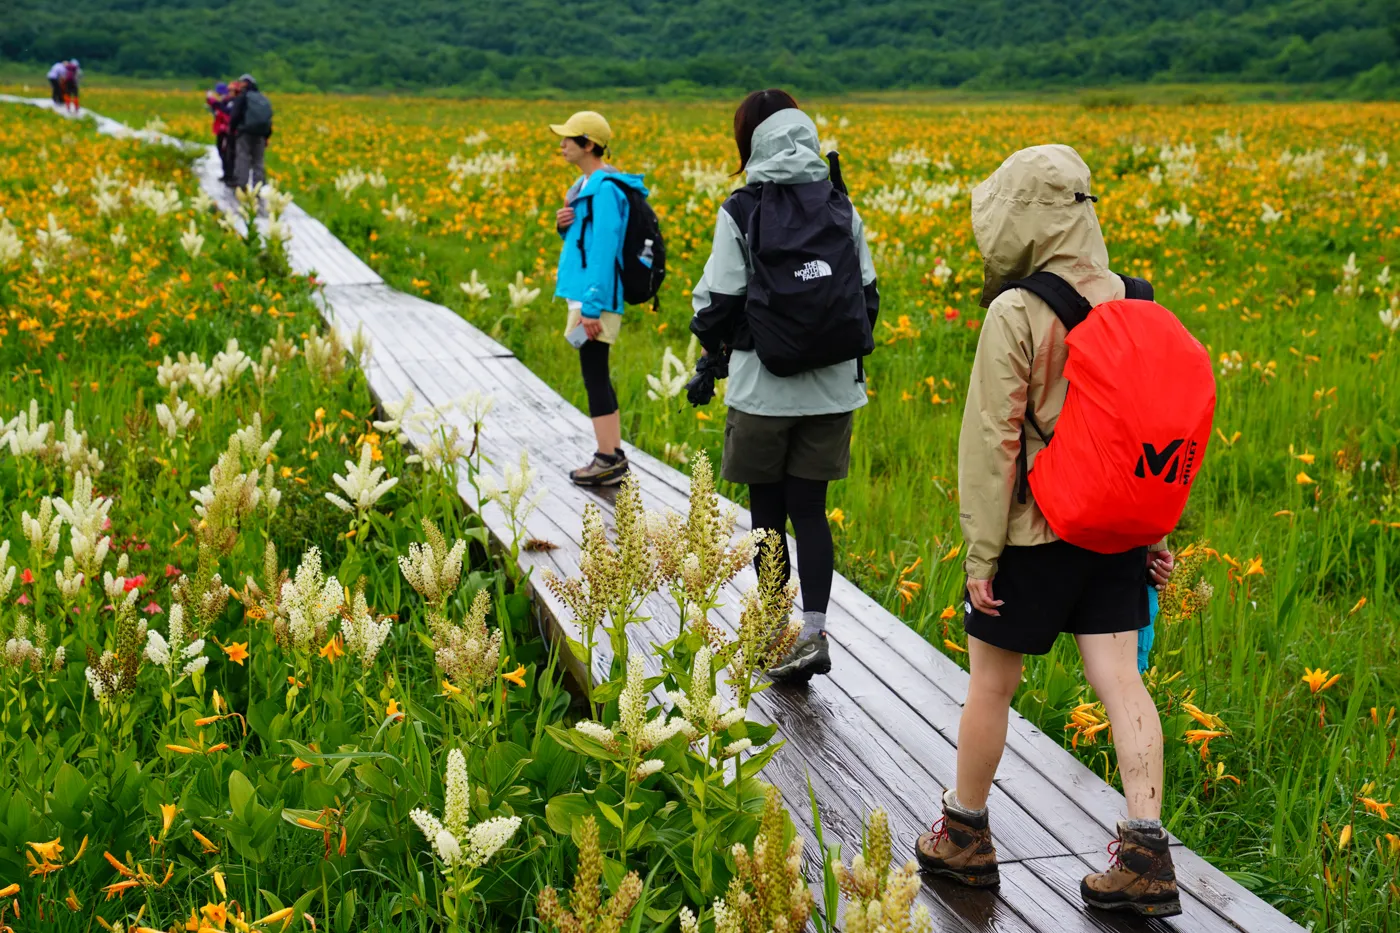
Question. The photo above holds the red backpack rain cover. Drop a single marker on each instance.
(1133, 431)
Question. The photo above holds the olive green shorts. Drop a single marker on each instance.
(764, 449)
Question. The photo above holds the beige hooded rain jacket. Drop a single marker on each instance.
(1026, 219)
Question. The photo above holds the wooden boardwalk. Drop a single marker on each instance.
(879, 731)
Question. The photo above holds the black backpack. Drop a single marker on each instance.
(805, 305)
(643, 265)
(257, 115)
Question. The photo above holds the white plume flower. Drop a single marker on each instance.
(362, 483)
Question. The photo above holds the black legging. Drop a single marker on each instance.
(602, 400)
(803, 501)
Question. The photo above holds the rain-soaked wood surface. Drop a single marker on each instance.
(881, 730)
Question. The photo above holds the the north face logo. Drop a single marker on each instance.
(1167, 460)
(815, 269)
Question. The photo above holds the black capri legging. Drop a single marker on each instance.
(593, 358)
(803, 502)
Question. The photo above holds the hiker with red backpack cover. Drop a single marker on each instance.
(1087, 417)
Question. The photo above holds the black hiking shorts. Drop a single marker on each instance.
(1051, 588)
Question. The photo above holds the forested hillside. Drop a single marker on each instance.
(819, 45)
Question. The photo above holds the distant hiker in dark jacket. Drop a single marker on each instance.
(71, 78)
(58, 79)
(250, 122)
(787, 436)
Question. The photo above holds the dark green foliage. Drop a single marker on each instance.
(668, 46)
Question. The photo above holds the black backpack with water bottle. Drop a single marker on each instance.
(643, 265)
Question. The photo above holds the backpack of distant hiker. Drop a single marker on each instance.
(643, 265)
(805, 304)
(1132, 434)
(257, 115)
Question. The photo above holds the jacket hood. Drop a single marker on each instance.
(1034, 214)
(624, 178)
(786, 150)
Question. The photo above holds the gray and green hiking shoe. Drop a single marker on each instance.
(602, 470)
(811, 655)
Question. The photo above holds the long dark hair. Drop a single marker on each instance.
(757, 107)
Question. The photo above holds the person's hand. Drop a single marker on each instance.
(979, 593)
(564, 218)
(1160, 565)
(592, 326)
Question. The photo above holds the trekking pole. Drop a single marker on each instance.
(834, 158)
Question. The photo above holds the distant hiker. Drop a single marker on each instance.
(58, 82)
(596, 223)
(72, 76)
(1047, 268)
(250, 122)
(220, 102)
(789, 294)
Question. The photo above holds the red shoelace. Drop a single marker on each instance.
(1113, 848)
(939, 830)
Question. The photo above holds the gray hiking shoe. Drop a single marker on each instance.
(602, 470)
(810, 656)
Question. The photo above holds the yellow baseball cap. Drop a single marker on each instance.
(588, 124)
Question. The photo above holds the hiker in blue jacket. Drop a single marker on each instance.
(592, 224)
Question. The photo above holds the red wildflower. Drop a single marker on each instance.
(134, 582)
(27, 576)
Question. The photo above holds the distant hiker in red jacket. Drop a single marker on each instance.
(219, 102)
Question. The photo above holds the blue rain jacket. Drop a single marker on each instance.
(600, 219)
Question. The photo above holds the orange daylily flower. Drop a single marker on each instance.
(209, 847)
(333, 649)
(954, 646)
(9, 890)
(51, 851)
(1303, 479)
(516, 676)
(299, 765)
(1319, 680)
(118, 888)
(121, 868)
(392, 710)
(237, 652)
(1381, 810)
(167, 815)
(949, 613)
(1360, 603)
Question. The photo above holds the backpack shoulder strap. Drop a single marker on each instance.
(1069, 306)
(1140, 289)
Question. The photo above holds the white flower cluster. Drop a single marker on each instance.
(674, 374)
(86, 516)
(705, 710)
(169, 654)
(364, 634)
(454, 839)
(713, 181)
(514, 497)
(474, 289)
(350, 179)
(310, 600)
(42, 533)
(432, 569)
(362, 484)
(483, 165)
(192, 241)
(159, 200)
(11, 246)
(24, 434)
(521, 294)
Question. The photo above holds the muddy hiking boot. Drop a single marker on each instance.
(959, 846)
(810, 655)
(602, 470)
(1140, 878)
